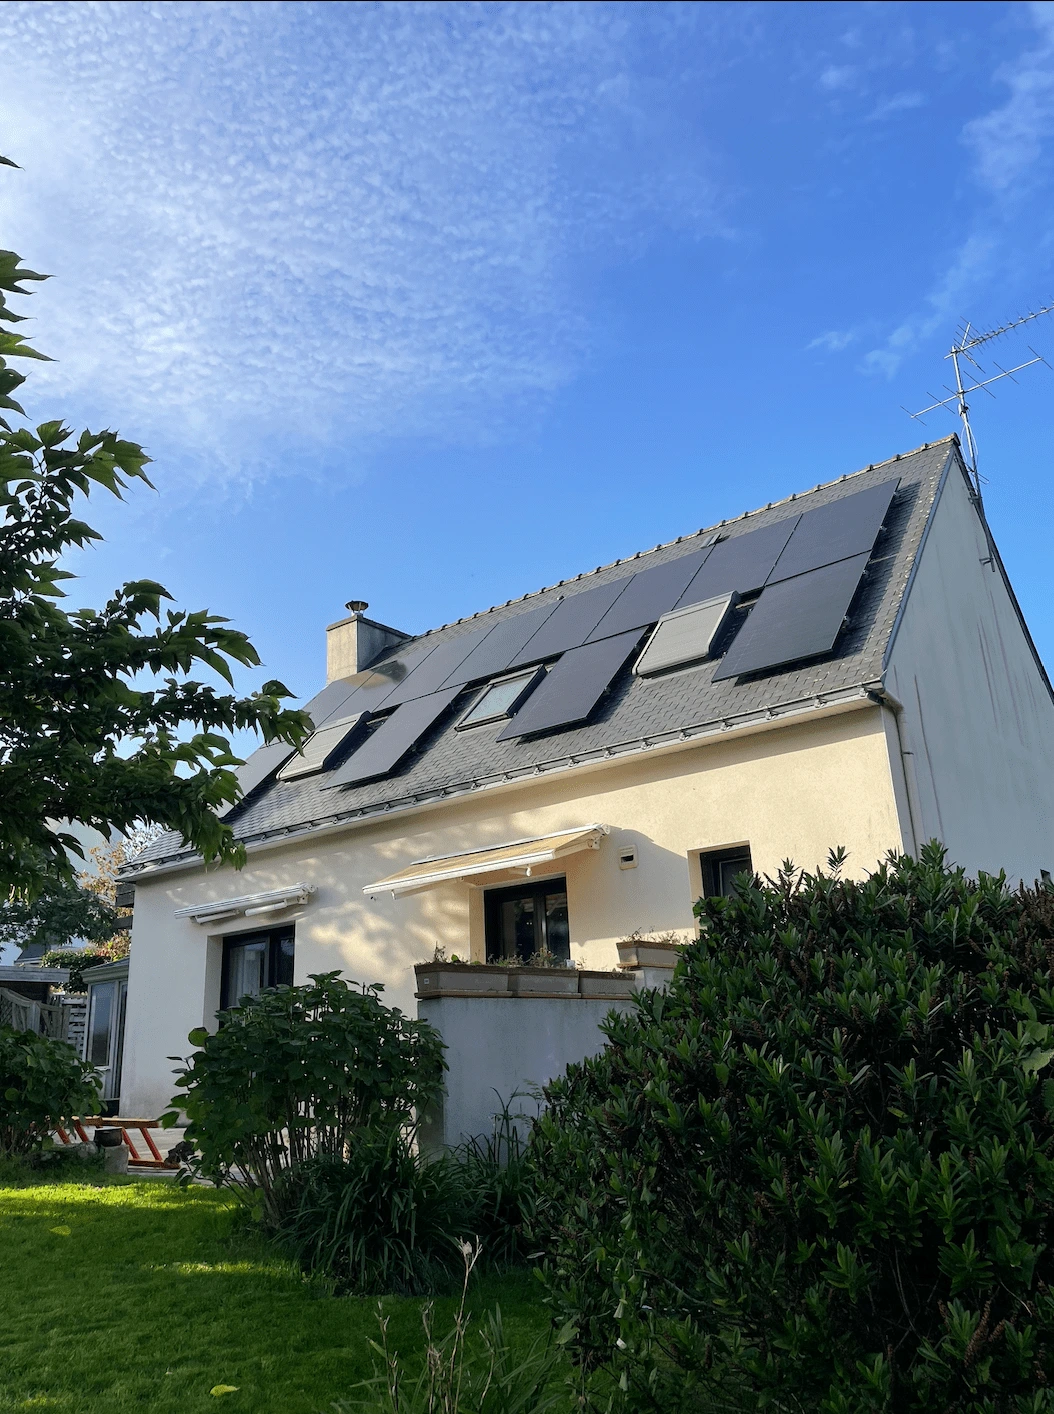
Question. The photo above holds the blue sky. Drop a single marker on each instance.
(433, 305)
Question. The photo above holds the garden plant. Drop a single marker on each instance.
(42, 1082)
(816, 1173)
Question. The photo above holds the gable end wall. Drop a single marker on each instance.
(976, 719)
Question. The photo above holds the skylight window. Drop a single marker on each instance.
(685, 636)
(320, 748)
(500, 700)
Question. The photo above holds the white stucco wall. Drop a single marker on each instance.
(977, 723)
(790, 792)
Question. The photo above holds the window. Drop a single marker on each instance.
(254, 961)
(100, 1024)
(720, 867)
(500, 699)
(526, 919)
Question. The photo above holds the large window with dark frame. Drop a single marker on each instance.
(526, 919)
(721, 867)
(252, 962)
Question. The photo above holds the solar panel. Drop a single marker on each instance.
(685, 635)
(501, 645)
(395, 667)
(320, 748)
(796, 618)
(743, 563)
(649, 595)
(835, 531)
(429, 674)
(572, 687)
(384, 748)
(571, 623)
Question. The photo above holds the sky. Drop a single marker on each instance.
(433, 305)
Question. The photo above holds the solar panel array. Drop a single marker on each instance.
(795, 618)
(398, 734)
(573, 686)
(807, 568)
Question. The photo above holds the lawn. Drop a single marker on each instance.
(139, 1295)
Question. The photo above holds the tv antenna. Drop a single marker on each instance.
(962, 351)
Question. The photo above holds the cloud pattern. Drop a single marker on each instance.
(300, 223)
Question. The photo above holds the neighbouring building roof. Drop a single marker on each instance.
(636, 714)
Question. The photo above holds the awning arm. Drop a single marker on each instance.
(492, 859)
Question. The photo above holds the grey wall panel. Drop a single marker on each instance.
(571, 623)
(794, 619)
(384, 748)
(573, 686)
(649, 595)
(501, 645)
(429, 674)
(742, 563)
(835, 531)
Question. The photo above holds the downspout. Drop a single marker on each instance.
(889, 703)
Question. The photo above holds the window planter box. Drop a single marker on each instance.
(606, 984)
(461, 979)
(542, 981)
(649, 954)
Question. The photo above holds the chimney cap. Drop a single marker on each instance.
(357, 606)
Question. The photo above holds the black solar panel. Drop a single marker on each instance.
(501, 645)
(571, 623)
(263, 762)
(835, 531)
(796, 618)
(429, 675)
(393, 669)
(573, 686)
(329, 701)
(649, 595)
(743, 563)
(384, 748)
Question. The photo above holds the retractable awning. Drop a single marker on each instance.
(518, 854)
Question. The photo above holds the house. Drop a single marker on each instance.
(848, 666)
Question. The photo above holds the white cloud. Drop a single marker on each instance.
(1007, 141)
(837, 77)
(833, 341)
(897, 103)
(321, 222)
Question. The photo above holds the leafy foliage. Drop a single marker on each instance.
(819, 1168)
(41, 1083)
(300, 1073)
(380, 1221)
(79, 741)
(498, 1174)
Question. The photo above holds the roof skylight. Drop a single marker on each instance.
(320, 748)
(500, 699)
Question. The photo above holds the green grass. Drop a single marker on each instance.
(159, 1293)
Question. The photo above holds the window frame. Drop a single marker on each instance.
(275, 938)
(531, 677)
(712, 860)
(507, 893)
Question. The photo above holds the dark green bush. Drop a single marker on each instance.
(499, 1178)
(380, 1221)
(298, 1074)
(818, 1170)
(42, 1083)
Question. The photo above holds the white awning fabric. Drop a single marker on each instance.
(518, 855)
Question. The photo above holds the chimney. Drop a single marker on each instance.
(352, 644)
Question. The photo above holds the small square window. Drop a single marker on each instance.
(500, 700)
(720, 867)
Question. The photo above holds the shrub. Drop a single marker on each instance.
(298, 1074)
(42, 1083)
(819, 1168)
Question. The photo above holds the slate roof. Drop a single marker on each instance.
(637, 714)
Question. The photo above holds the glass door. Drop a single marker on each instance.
(526, 919)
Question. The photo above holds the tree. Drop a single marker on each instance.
(81, 737)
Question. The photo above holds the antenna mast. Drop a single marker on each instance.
(963, 349)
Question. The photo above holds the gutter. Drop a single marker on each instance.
(813, 708)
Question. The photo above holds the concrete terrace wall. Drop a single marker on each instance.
(790, 792)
